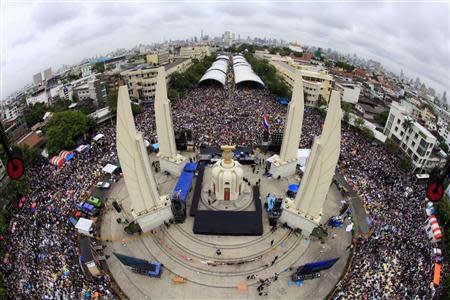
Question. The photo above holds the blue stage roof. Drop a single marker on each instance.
(184, 184)
(190, 167)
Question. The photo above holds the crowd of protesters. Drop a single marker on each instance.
(42, 255)
(393, 263)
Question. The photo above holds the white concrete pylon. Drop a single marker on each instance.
(321, 164)
(163, 117)
(134, 161)
(294, 121)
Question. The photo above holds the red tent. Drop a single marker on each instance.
(57, 161)
(67, 155)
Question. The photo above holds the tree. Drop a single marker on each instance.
(444, 147)
(98, 67)
(111, 99)
(86, 106)
(16, 189)
(381, 118)
(136, 109)
(405, 163)
(359, 123)
(65, 128)
(33, 114)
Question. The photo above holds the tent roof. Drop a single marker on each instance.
(84, 224)
(109, 168)
(98, 137)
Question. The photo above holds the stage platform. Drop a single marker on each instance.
(230, 222)
(198, 188)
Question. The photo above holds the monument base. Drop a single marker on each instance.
(173, 166)
(296, 220)
(282, 168)
(156, 217)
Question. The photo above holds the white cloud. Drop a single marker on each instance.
(409, 36)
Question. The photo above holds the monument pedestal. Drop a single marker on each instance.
(295, 219)
(157, 216)
(282, 168)
(172, 165)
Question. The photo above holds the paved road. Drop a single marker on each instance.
(357, 206)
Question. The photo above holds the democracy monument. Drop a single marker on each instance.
(213, 216)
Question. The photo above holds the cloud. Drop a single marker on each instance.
(409, 36)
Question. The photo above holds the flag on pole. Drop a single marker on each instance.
(265, 122)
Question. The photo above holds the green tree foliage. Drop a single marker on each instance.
(269, 75)
(405, 163)
(444, 147)
(381, 118)
(390, 146)
(65, 128)
(15, 189)
(347, 67)
(98, 67)
(33, 114)
(136, 108)
(111, 99)
(30, 156)
(86, 106)
(359, 123)
(60, 105)
(368, 133)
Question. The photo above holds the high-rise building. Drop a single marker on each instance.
(47, 73)
(227, 38)
(37, 78)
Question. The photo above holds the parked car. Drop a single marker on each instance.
(73, 221)
(103, 185)
(95, 201)
(88, 209)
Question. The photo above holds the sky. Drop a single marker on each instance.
(413, 36)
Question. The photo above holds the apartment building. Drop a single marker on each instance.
(316, 84)
(141, 80)
(349, 91)
(416, 141)
(195, 52)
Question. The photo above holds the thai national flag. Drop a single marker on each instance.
(265, 122)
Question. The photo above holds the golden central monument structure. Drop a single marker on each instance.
(227, 176)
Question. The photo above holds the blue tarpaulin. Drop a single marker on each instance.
(184, 184)
(282, 101)
(317, 266)
(190, 167)
(293, 188)
(155, 147)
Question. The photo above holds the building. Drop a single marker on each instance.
(160, 58)
(40, 95)
(194, 52)
(47, 74)
(37, 78)
(227, 38)
(141, 80)
(349, 91)
(86, 70)
(316, 84)
(93, 89)
(417, 142)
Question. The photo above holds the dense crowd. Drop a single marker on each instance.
(393, 263)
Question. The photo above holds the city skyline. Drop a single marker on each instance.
(52, 34)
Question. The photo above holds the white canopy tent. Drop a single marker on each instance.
(109, 168)
(84, 226)
(98, 137)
